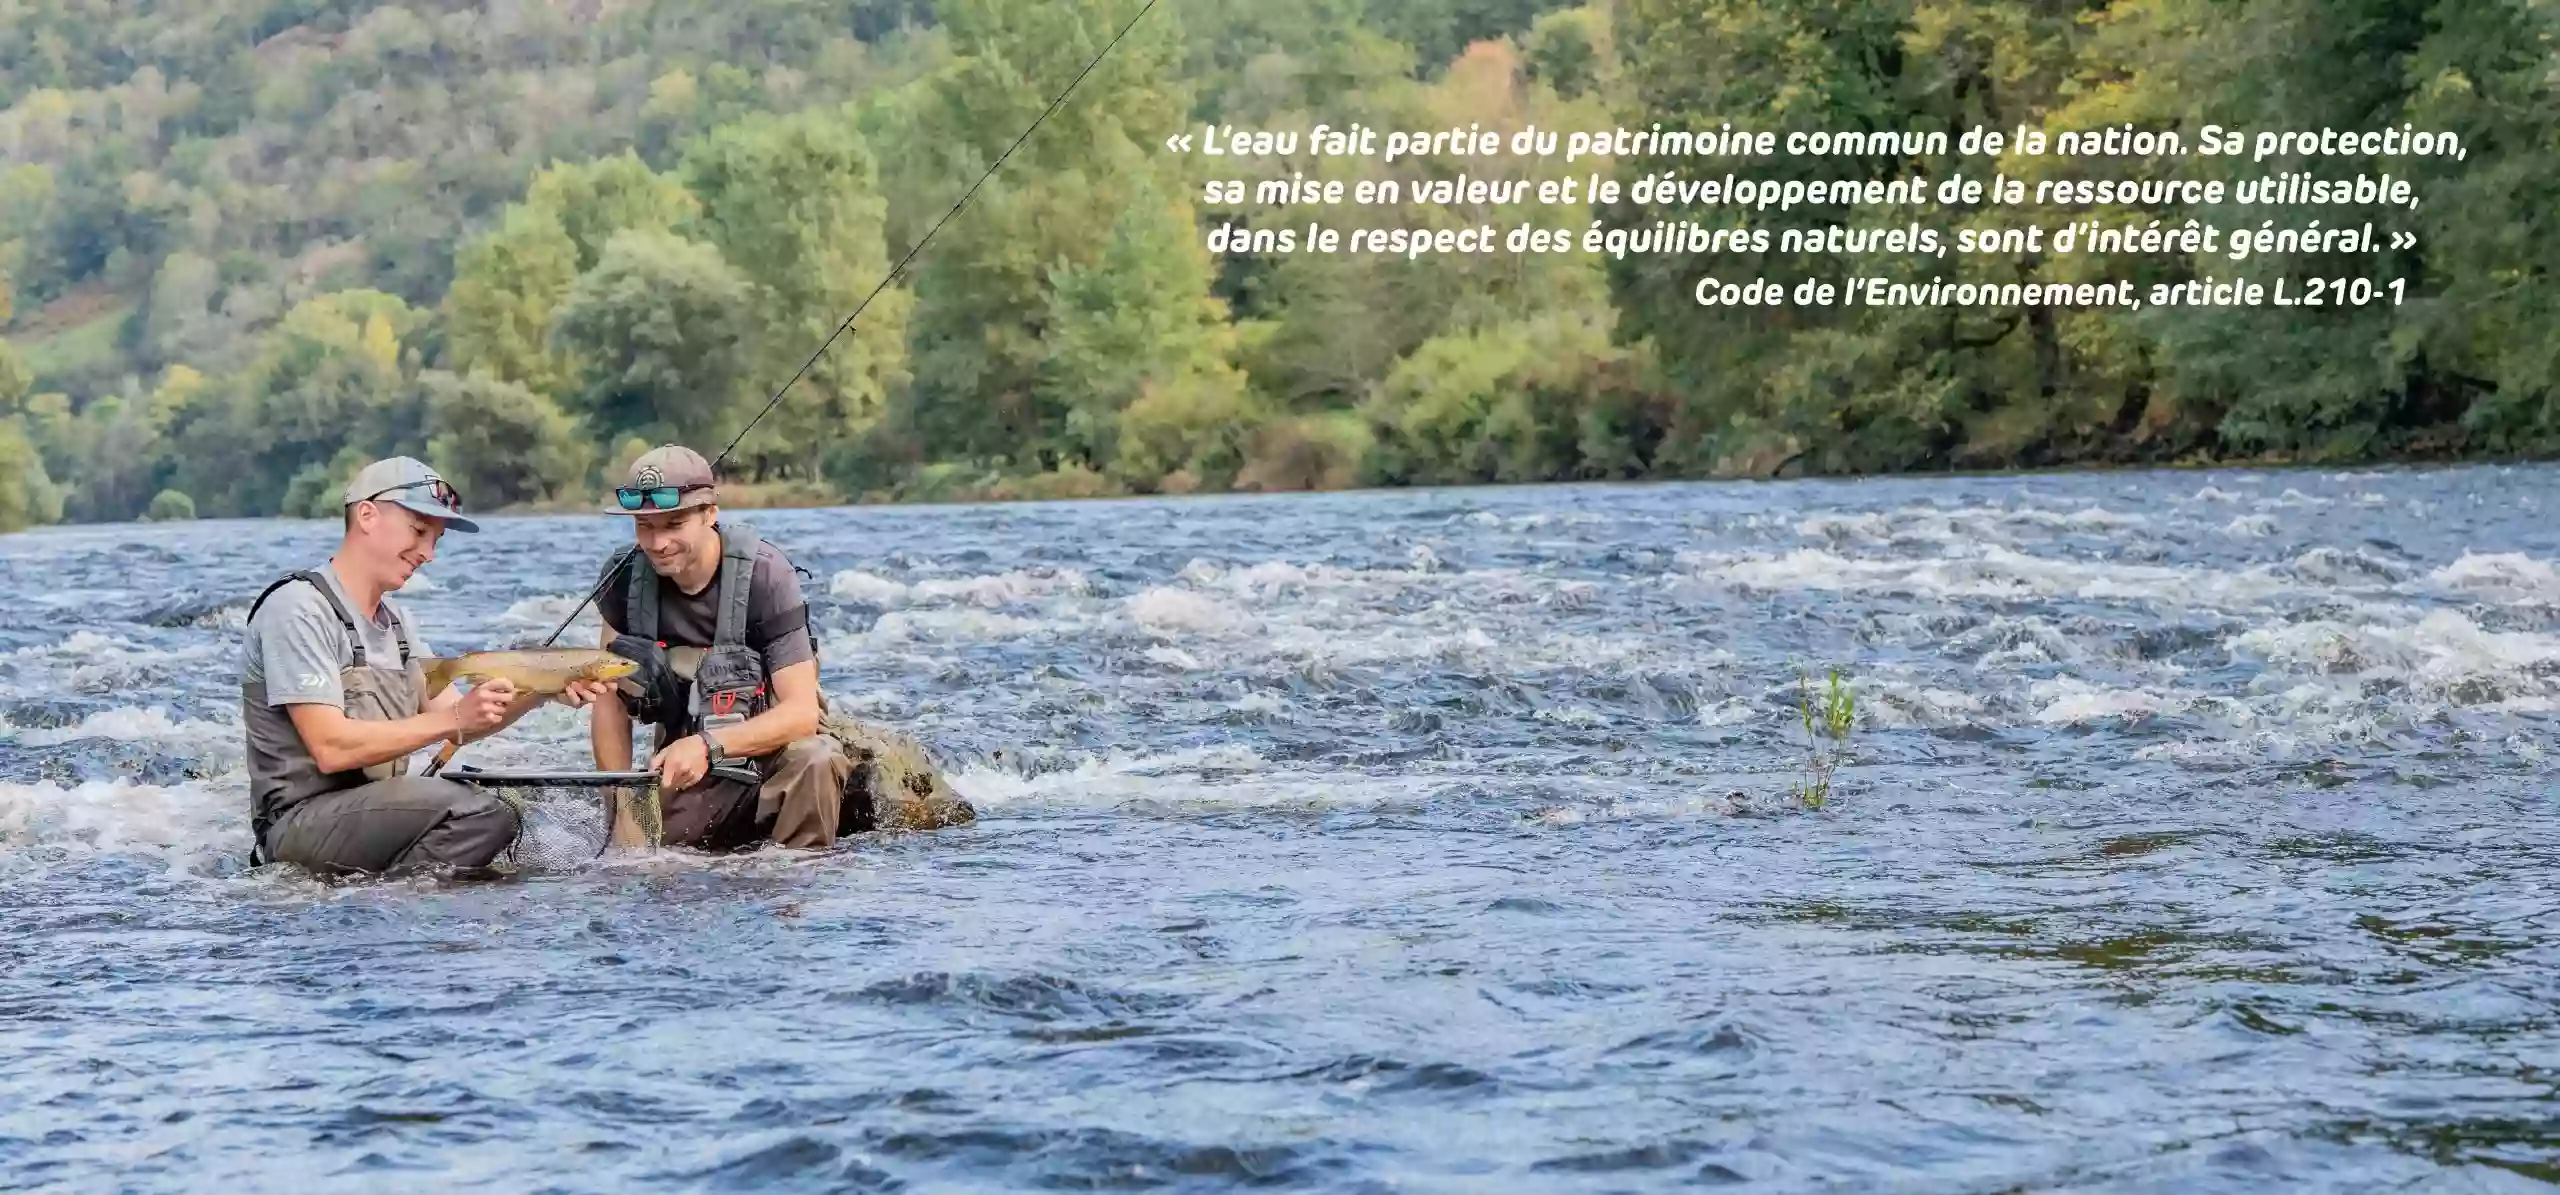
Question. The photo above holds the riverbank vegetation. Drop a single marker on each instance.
(249, 244)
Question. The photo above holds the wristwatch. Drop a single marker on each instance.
(711, 753)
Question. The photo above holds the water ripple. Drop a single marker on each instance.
(2195, 835)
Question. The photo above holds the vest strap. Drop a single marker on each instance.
(640, 599)
(738, 543)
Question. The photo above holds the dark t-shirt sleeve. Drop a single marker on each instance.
(775, 592)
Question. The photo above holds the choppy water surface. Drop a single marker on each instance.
(2198, 836)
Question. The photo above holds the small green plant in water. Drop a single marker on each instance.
(1831, 718)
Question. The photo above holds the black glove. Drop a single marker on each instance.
(654, 691)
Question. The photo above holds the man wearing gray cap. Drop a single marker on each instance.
(333, 698)
(728, 670)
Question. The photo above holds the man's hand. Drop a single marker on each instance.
(582, 693)
(484, 708)
(681, 764)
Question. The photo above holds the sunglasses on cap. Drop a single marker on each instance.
(443, 494)
(662, 497)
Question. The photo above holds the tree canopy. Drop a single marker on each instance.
(249, 244)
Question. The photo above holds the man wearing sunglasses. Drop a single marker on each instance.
(333, 699)
(728, 670)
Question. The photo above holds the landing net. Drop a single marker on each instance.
(564, 815)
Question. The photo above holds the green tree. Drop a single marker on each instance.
(594, 200)
(501, 443)
(1253, 60)
(660, 327)
(1862, 389)
(15, 380)
(177, 321)
(793, 205)
(1139, 316)
(1186, 431)
(510, 282)
(169, 506)
(2487, 253)
(506, 288)
(2290, 381)
(324, 388)
(1441, 30)
(983, 298)
(28, 497)
(135, 456)
(1548, 399)
(318, 490)
(1570, 50)
(114, 451)
(1341, 321)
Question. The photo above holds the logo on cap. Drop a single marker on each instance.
(649, 478)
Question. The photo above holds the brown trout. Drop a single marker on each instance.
(544, 670)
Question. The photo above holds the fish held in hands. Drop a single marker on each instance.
(545, 670)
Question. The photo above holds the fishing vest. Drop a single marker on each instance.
(282, 772)
(725, 683)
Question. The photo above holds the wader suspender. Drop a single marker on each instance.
(258, 823)
(738, 544)
(729, 619)
(737, 573)
(640, 599)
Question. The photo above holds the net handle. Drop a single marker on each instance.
(471, 775)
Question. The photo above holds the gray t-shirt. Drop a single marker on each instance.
(297, 645)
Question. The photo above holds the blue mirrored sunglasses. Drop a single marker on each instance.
(662, 497)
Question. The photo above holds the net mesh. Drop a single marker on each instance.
(566, 825)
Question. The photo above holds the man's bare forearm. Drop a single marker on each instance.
(339, 743)
(609, 729)
(769, 731)
(609, 733)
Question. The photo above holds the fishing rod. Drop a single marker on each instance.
(892, 276)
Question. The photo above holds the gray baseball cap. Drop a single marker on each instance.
(407, 482)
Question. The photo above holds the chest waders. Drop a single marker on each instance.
(725, 683)
(282, 772)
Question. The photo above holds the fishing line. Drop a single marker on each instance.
(892, 276)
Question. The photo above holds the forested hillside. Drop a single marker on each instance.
(251, 243)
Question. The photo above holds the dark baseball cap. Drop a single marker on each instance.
(666, 468)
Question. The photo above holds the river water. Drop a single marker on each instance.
(2195, 834)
